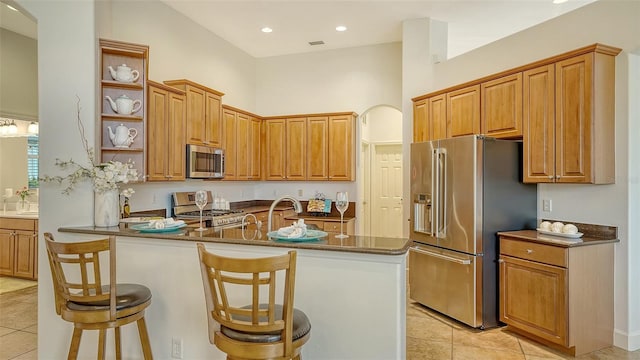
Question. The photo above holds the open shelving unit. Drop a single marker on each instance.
(135, 56)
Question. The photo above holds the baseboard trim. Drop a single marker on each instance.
(629, 342)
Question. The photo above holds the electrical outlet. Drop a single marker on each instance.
(176, 348)
(546, 205)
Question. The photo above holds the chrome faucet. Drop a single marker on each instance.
(297, 207)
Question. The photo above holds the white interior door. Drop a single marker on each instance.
(386, 184)
(366, 185)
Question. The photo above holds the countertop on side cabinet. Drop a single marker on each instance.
(16, 215)
(352, 244)
(534, 236)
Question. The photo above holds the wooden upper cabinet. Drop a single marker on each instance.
(229, 144)
(421, 131)
(317, 148)
(463, 111)
(342, 147)
(166, 154)
(204, 124)
(539, 124)
(255, 127)
(501, 107)
(574, 116)
(569, 120)
(437, 116)
(296, 149)
(275, 149)
(242, 146)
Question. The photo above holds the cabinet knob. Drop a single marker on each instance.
(557, 176)
(529, 251)
(550, 177)
(500, 261)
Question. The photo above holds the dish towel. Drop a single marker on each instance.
(162, 223)
(297, 230)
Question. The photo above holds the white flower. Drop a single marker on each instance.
(127, 193)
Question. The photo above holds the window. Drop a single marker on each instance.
(32, 161)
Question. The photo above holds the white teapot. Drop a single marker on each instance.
(123, 73)
(124, 105)
(123, 136)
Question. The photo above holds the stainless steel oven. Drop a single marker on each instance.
(204, 162)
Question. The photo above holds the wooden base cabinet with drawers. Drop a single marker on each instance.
(18, 248)
(558, 295)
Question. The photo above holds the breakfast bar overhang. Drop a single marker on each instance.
(353, 290)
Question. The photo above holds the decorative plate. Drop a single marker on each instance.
(312, 235)
(144, 228)
(571, 236)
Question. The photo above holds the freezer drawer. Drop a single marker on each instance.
(446, 282)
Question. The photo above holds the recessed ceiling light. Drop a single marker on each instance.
(559, 1)
(12, 8)
(266, 29)
(341, 28)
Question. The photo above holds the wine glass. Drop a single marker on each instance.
(201, 202)
(342, 203)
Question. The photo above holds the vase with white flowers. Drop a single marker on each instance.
(106, 178)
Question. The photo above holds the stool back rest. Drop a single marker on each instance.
(219, 273)
(75, 268)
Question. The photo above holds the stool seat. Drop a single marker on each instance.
(301, 327)
(127, 295)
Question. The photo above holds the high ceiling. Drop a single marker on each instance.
(295, 23)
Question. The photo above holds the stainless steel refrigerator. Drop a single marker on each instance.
(464, 190)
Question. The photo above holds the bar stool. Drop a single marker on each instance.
(260, 330)
(89, 304)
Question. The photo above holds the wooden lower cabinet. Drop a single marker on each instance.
(558, 295)
(331, 227)
(18, 248)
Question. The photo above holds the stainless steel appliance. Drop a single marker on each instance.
(464, 190)
(205, 162)
(184, 208)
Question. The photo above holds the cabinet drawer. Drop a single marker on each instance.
(18, 224)
(332, 226)
(543, 253)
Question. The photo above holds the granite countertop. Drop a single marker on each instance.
(592, 235)
(15, 215)
(352, 244)
(318, 218)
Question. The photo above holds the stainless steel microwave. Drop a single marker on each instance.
(204, 162)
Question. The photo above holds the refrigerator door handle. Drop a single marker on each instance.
(440, 256)
(435, 206)
(441, 159)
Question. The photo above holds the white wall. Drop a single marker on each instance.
(613, 23)
(381, 124)
(13, 165)
(18, 76)
(353, 79)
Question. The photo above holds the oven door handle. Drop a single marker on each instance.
(440, 256)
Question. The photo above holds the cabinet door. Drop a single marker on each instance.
(7, 249)
(574, 119)
(242, 146)
(157, 139)
(24, 263)
(463, 111)
(176, 150)
(533, 297)
(437, 116)
(230, 145)
(420, 129)
(317, 148)
(501, 108)
(341, 148)
(539, 124)
(296, 149)
(254, 146)
(196, 131)
(213, 124)
(275, 148)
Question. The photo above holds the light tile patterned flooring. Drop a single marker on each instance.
(429, 336)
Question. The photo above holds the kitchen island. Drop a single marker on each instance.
(353, 290)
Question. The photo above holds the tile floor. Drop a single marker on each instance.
(19, 324)
(429, 336)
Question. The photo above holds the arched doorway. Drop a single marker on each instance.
(380, 171)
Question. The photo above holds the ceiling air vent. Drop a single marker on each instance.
(319, 42)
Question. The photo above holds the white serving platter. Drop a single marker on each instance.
(570, 236)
